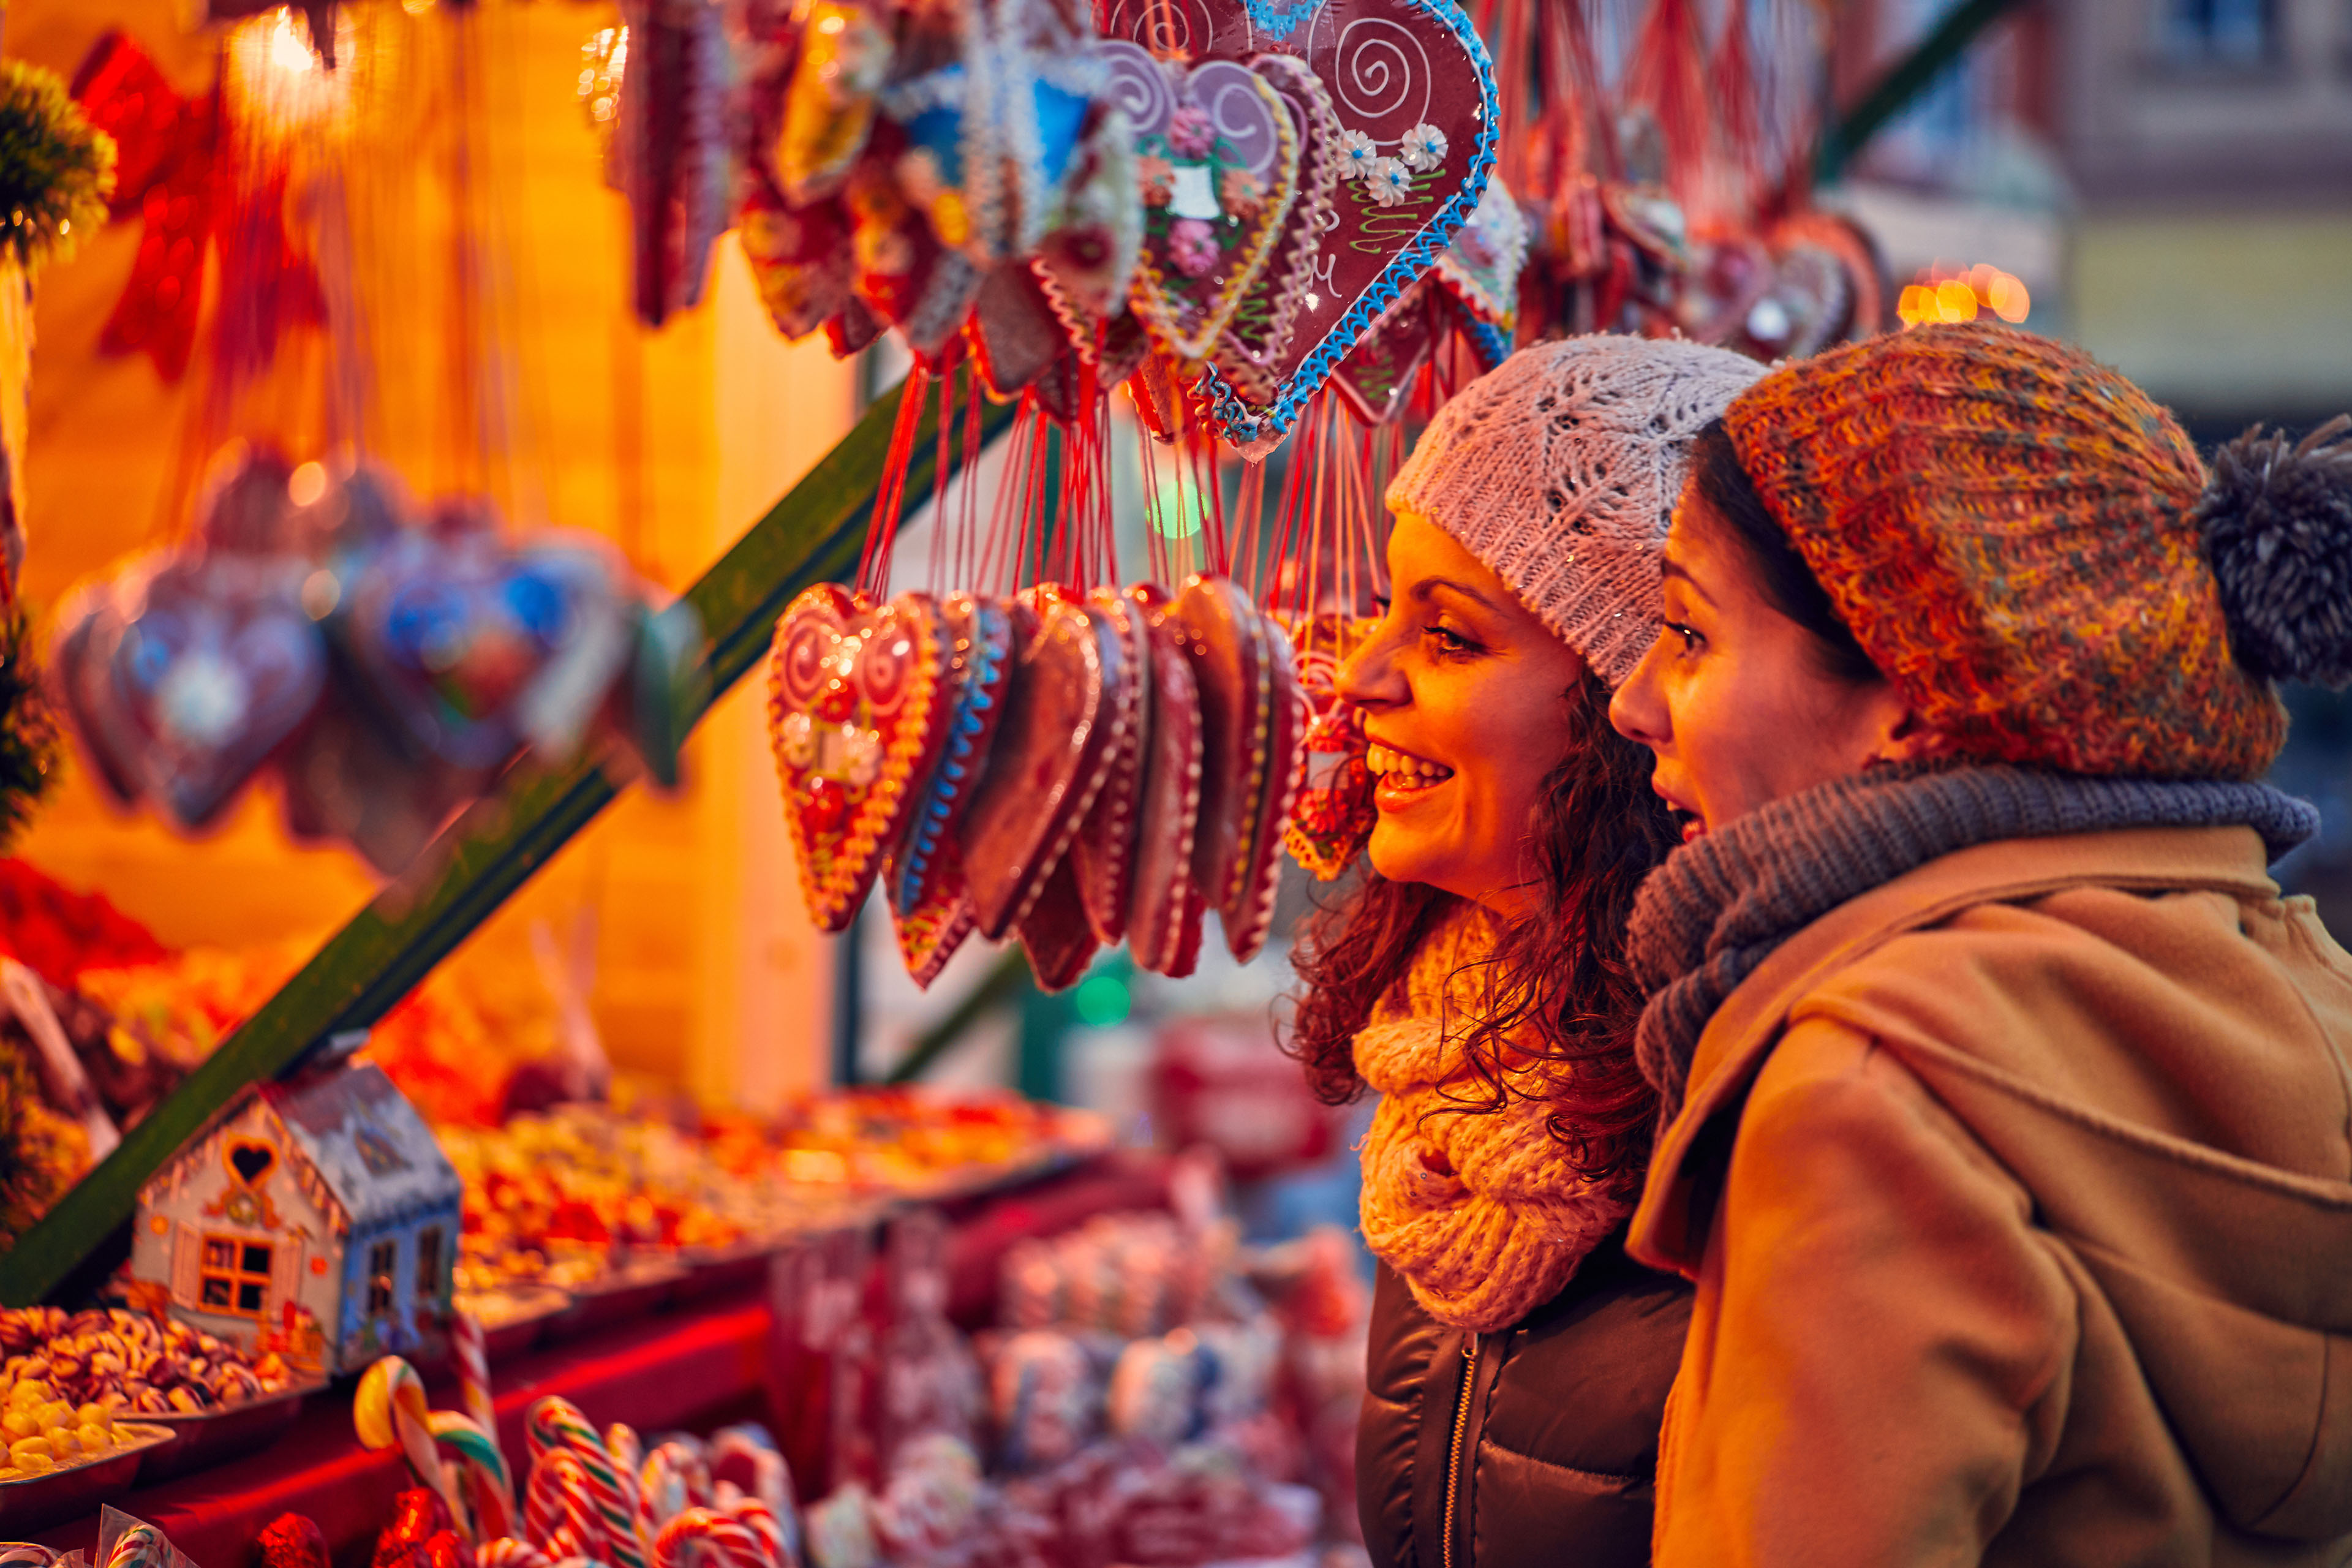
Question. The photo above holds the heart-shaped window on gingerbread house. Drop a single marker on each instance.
(250, 1161)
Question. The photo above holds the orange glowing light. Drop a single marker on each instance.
(1961, 295)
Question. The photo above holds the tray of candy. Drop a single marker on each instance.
(208, 1437)
(29, 1501)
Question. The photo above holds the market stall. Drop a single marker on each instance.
(334, 1252)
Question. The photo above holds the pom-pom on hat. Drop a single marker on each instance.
(1559, 469)
(2029, 548)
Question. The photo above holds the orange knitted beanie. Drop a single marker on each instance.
(2012, 532)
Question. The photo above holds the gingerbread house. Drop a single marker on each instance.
(318, 1218)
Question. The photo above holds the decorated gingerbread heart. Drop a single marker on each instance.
(1164, 902)
(671, 148)
(1087, 256)
(1261, 326)
(217, 665)
(1045, 765)
(828, 109)
(980, 633)
(1377, 379)
(1102, 856)
(930, 930)
(1247, 912)
(1217, 160)
(858, 709)
(1055, 932)
(1225, 639)
(1413, 92)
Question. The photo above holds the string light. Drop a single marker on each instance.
(1963, 295)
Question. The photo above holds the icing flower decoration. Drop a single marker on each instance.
(1390, 181)
(1358, 153)
(1423, 148)
(1241, 193)
(1192, 247)
(1158, 177)
(1191, 133)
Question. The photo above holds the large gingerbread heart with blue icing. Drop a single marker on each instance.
(1414, 94)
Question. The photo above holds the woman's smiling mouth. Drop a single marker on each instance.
(1401, 775)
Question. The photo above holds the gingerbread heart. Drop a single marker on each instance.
(1481, 267)
(1261, 326)
(1055, 932)
(1087, 256)
(217, 665)
(1164, 902)
(1217, 160)
(979, 633)
(1102, 856)
(1415, 95)
(1045, 765)
(1333, 814)
(859, 703)
(1377, 379)
(89, 625)
(1016, 334)
(1247, 912)
(930, 930)
(1225, 640)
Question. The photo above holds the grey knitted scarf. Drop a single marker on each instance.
(1717, 908)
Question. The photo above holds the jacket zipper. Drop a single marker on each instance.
(1454, 1449)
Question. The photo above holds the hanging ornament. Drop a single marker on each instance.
(671, 149)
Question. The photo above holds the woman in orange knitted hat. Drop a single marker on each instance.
(2009, 1138)
(1476, 978)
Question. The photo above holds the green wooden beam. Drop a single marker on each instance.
(812, 535)
(1903, 83)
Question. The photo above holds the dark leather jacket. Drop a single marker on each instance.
(1558, 1454)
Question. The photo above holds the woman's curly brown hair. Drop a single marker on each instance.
(1564, 995)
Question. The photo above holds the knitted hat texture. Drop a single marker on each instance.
(2012, 532)
(1559, 469)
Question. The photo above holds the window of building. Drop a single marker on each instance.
(382, 1259)
(235, 1276)
(2217, 31)
(428, 1262)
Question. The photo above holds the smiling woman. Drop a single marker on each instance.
(1476, 977)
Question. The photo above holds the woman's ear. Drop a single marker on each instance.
(1909, 739)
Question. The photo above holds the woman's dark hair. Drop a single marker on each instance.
(1788, 584)
(1563, 993)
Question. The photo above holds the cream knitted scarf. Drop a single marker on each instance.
(1480, 1213)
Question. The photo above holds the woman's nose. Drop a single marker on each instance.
(1368, 676)
(1639, 710)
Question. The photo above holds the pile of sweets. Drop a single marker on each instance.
(129, 1363)
(911, 1142)
(571, 1198)
(45, 1433)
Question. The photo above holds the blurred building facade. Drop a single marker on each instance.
(2172, 177)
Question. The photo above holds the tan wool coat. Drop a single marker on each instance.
(2017, 1197)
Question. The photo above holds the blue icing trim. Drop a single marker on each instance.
(1240, 425)
(1489, 342)
(1279, 21)
(923, 839)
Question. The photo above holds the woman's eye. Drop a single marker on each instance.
(1448, 640)
(1691, 639)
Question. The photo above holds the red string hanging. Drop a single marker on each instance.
(882, 534)
(1668, 73)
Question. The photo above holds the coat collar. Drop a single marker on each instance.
(1669, 1228)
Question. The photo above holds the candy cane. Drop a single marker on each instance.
(472, 1355)
(556, 1425)
(486, 1468)
(506, 1552)
(732, 1543)
(390, 1408)
(559, 1512)
(661, 1492)
(688, 1459)
(628, 1450)
(141, 1545)
(756, 1517)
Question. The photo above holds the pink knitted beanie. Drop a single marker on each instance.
(1559, 469)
